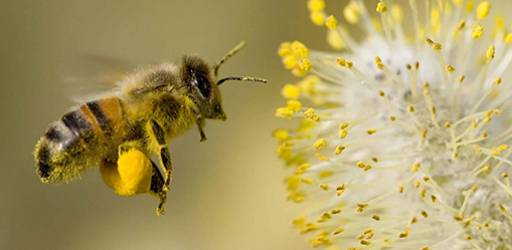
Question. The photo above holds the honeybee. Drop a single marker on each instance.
(123, 130)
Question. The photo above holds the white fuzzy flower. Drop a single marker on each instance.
(402, 138)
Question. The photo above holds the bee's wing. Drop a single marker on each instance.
(93, 76)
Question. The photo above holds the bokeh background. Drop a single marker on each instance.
(227, 192)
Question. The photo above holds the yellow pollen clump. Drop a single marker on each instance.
(352, 12)
(478, 31)
(331, 22)
(132, 175)
(381, 7)
(371, 131)
(320, 144)
(483, 9)
(290, 91)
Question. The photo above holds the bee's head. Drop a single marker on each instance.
(202, 88)
(202, 83)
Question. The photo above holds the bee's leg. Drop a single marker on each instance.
(157, 186)
(200, 125)
(165, 159)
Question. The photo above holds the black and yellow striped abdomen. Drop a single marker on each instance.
(81, 138)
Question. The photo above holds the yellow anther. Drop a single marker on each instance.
(311, 115)
(381, 7)
(316, 5)
(410, 108)
(461, 79)
(342, 133)
(461, 25)
(498, 81)
(424, 214)
(352, 12)
(307, 181)
(433, 198)
(290, 91)
(392, 118)
(335, 40)
(281, 134)
(340, 190)
(339, 149)
(435, 16)
(324, 187)
(401, 189)
(338, 230)
(302, 168)
(331, 22)
(364, 166)
(284, 112)
(361, 207)
(414, 220)
(320, 144)
(397, 13)
(344, 125)
(415, 167)
(365, 242)
(491, 52)
(483, 9)
(376, 217)
(379, 63)
(508, 38)
(294, 105)
(450, 68)
(499, 149)
(336, 211)
(478, 31)
(404, 234)
(317, 17)
(344, 63)
(371, 131)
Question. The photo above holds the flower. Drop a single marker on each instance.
(402, 138)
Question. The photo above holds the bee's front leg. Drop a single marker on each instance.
(158, 134)
(200, 124)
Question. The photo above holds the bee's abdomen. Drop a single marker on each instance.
(77, 140)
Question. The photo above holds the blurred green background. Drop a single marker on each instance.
(227, 192)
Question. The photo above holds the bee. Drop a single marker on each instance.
(126, 129)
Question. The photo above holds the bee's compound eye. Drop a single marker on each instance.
(202, 84)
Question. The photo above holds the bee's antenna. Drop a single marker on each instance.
(231, 53)
(242, 78)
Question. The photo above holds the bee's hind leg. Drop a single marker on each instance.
(157, 187)
(165, 159)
